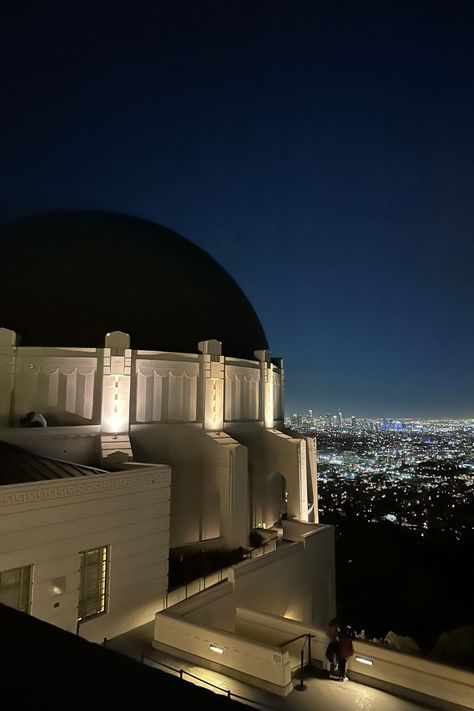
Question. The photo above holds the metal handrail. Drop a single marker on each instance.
(307, 638)
(306, 635)
(227, 692)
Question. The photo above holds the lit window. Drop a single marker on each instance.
(93, 585)
(15, 588)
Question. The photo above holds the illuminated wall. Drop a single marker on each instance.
(47, 524)
(172, 408)
(209, 494)
(116, 386)
(59, 382)
(166, 390)
(277, 464)
(242, 391)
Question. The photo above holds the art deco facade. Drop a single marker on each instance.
(164, 435)
(172, 449)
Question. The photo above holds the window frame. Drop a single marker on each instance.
(102, 591)
(24, 587)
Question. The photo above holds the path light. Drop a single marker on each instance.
(215, 648)
(364, 660)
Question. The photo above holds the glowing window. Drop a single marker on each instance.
(15, 588)
(94, 583)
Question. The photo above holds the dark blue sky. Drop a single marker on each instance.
(322, 152)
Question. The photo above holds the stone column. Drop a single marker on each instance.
(116, 376)
(212, 385)
(278, 362)
(312, 473)
(8, 341)
(266, 388)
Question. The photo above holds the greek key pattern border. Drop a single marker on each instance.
(40, 493)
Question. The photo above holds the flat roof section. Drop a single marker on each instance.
(18, 466)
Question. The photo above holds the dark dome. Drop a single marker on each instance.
(69, 278)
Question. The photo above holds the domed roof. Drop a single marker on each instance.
(69, 278)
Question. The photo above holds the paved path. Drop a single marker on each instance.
(321, 694)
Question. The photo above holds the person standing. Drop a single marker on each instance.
(332, 644)
(345, 650)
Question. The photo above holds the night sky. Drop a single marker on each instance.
(322, 152)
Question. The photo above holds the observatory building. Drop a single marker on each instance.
(141, 424)
(164, 420)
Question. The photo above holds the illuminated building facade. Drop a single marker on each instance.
(164, 431)
(153, 374)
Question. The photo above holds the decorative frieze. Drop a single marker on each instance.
(113, 386)
(242, 386)
(42, 492)
(55, 385)
(166, 391)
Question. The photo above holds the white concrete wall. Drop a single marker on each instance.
(48, 524)
(65, 384)
(228, 473)
(414, 673)
(59, 382)
(293, 582)
(296, 581)
(7, 374)
(408, 676)
(80, 444)
(242, 390)
(278, 401)
(312, 477)
(274, 630)
(392, 670)
(271, 453)
(288, 582)
(214, 608)
(259, 661)
(85, 393)
(209, 496)
(166, 388)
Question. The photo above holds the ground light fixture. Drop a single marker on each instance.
(216, 648)
(364, 660)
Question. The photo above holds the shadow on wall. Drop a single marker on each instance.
(186, 567)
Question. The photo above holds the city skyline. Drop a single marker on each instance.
(320, 152)
(317, 413)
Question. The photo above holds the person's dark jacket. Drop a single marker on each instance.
(346, 649)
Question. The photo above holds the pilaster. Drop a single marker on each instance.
(266, 388)
(116, 376)
(8, 340)
(212, 385)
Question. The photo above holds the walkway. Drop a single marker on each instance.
(321, 694)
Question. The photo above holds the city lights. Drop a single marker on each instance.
(417, 474)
